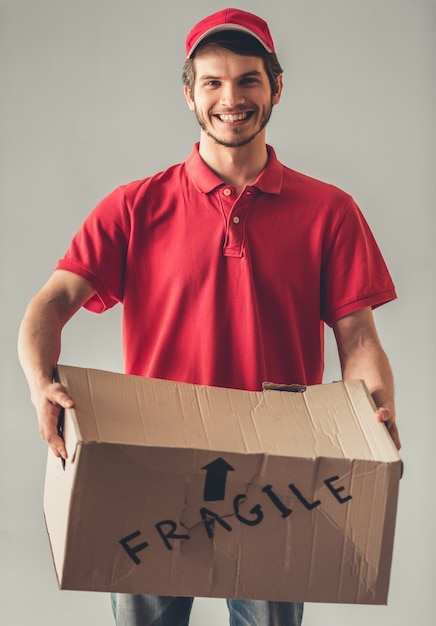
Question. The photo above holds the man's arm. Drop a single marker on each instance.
(362, 357)
(39, 345)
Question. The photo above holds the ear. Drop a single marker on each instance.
(189, 98)
(276, 97)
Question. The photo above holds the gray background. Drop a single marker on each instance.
(91, 98)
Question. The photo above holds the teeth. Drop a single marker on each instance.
(233, 118)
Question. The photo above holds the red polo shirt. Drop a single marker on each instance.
(225, 290)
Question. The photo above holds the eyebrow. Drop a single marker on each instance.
(255, 73)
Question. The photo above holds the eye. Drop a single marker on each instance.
(212, 83)
(250, 80)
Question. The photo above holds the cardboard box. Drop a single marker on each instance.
(179, 489)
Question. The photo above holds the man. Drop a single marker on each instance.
(227, 266)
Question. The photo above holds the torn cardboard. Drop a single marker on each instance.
(179, 489)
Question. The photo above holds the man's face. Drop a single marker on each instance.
(232, 96)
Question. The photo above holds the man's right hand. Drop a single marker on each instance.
(39, 345)
(51, 402)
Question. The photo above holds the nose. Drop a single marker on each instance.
(231, 95)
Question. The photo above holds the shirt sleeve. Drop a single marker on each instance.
(98, 251)
(354, 273)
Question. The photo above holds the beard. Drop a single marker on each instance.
(239, 138)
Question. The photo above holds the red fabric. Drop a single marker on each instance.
(217, 301)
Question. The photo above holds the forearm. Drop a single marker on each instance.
(369, 362)
(39, 343)
(362, 357)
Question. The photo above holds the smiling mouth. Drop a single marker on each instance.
(234, 117)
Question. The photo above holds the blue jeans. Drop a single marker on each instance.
(142, 610)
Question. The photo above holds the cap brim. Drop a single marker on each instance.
(221, 27)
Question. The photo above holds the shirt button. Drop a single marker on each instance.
(236, 220)
(227, 192)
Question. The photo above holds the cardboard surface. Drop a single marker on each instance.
(179, 489)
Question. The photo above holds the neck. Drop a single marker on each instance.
(235, 166)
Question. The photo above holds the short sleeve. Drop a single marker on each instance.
(98, 251)
(354, 273)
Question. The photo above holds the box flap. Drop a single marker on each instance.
(321, 421)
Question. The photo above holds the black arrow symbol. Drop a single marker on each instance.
(216, 476)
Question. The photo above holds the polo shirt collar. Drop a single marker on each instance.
(270, 179)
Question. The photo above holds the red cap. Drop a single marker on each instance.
(230, 19)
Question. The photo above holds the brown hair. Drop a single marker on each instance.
(239, 43)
